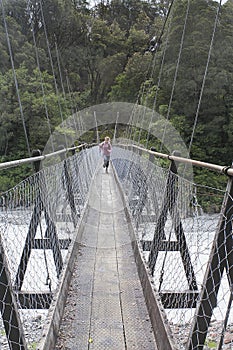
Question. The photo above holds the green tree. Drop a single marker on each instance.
(129, 82)
(35, 104)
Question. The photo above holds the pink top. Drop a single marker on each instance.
(106, 148)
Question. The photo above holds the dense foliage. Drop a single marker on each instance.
(60, 56)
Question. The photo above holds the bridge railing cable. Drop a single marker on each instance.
(29, 160)
(185, 234)
(38, 221)
(224, 169)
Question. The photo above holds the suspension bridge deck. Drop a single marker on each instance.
(71, 229)
(105, 307)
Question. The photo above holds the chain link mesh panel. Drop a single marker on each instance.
(189, 251)
(38, 219)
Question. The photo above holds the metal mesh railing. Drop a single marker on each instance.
(38, 220)
(188, 250)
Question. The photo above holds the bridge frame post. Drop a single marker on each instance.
(221, 258)
(160, 243)
(9, 309)
(70, 193)
(50, 234)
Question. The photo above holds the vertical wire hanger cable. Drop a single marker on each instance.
(52, 67)
(161, 70)
(151, 63)
(15, 79)
(157, 45)
(41, 81)
(115, 128)
(176, 72)
(61, 81)
(73, 108)
(205, 74)
(68, 86)
(144, 109)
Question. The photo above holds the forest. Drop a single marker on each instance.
(86, 55)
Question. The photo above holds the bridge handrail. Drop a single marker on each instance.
(227, 170)
(17, 162)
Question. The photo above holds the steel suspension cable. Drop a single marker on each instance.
(131, 123)
(73, 108)
(158, 41)
(62, 84)
(152, 62)
(15, 78)
(115, 128)
(166, 19)
(176, 71)
(96, 128)
(205, 75)
(41, 80)
(159, 81)
(52, 66)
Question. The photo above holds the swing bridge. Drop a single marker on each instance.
(121, 260)
(129, 259)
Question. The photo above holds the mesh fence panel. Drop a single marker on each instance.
(38, 219)
(189, 251)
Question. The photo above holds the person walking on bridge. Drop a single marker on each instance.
(106, 149)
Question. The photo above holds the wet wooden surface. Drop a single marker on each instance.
(105, 308)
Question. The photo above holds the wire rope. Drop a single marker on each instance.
(168, 113)
(164, 260)
(165, 22)
(159, 40)
(15, 78)
(62, 85)
(52, 67)
(59, 67)
(147, 73)
(96, 128)
(152, 63)
(159, 82)
(48, 279)
(142, 94)
(74, 110)
(41, 81)
(132, 124)
(176, 72)
(115, 128)
(205, 75)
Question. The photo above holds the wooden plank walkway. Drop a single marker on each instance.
(105, 308)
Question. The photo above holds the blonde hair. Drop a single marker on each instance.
(107, 138)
